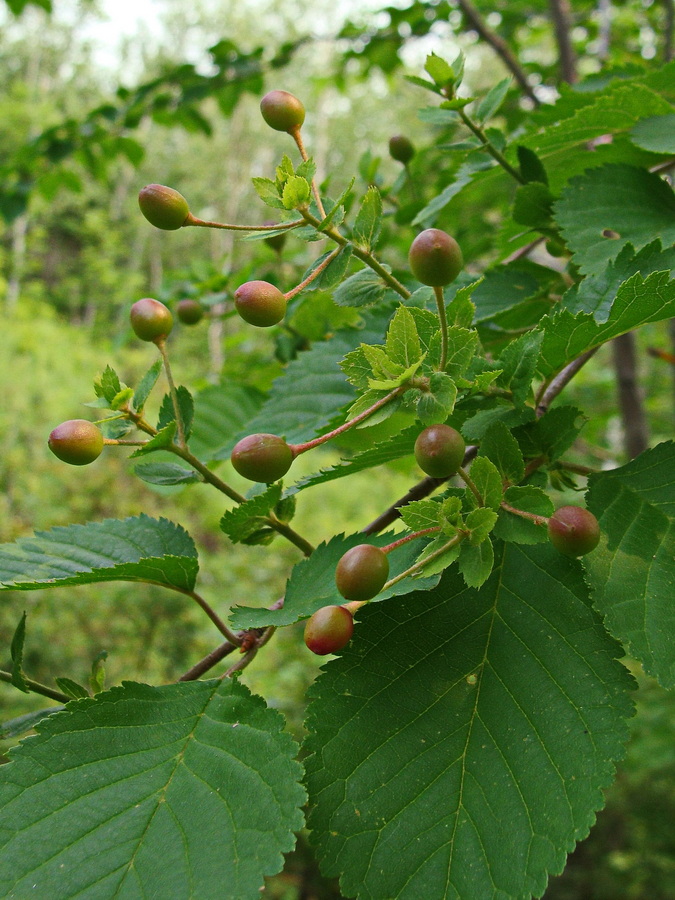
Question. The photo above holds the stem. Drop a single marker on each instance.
(111, 442)
(208, 662)
(290, 534)
(538, 520)
(38, 688)
(364, 255)
(489, 146)
(576, 468)
(309, 445)
(468, 481)
(418, 566)
(297, 137)
(443, 319)
(313, 274)
(411, 537)
(562, 25)
(633, 418)
(215, 618)
(200, 223)
(549, 391)
(161, 346)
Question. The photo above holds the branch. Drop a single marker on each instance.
(38, 688)
(549, 392)
(499, 46)
(562, 25)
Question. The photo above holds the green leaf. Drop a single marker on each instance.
(501, 448)
(531, 167)
(480, 523)
(506, 287)
(422, 514)
(434, 406)
(441, 71)
(312, 581)
(403, 343)
(336, 212)
(242, 521)
(160, 441)
(637, 302)
(533, 205)
(268, 192)
(423, 83)
(607, 207)
(476, 561)
(632, 572)
(491, 102)
(476, 427)
(368, 220)
(97, 677)
(196, 792)
(438, 555)
(462, 345)
(488, 481)
(500, 760)
(122, 398)
(511, 527)
(134, 549)
(72, 688)
(655, 133)
(107, 384)
(221, 411)
(518, 362)
(16, 652)
(552, 434)
(463, 176)
(296, 192)
(16, 727)
(146, 385)
(185, 406)
(334, 271)
(370, 398)
(166, 473)
(361, 289)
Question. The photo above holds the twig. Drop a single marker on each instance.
(208, 662)
(38, 688)
(562, 26)
(633, 416)
(551, 390)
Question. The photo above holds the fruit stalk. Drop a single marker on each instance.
(418, 566)
(443, 319)
(180, 427)
(533, 517)
(313, 274)
(297, 137)
(202, 223)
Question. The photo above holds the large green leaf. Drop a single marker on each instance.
(184, 791)
(460, 745)
(607, 207)
(632, 572)
(134, 549)
(220, 413)
(638, 301)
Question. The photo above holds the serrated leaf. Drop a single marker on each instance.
(365, 401)
(423, 83)
(243, 520)
(166, 473)
(476, 561)
(221, 411)
(462, 345)
(334, 271)
(607, 207)
(107, 384)
(185, 406)
(134, 549)
(196, 790)
(368, 220)
(16, 727)
(632, 572)
(16, 652)
(160, 441)
(488, 481)
(655, 133)
(552, 434)
(312, 581)
(296, 192)
(435, 405)
(638, 301)
(476, 427)
(71, 688)
(531, 167)
(336, 212)
(499, 763)
(511, 527)
(438, 555)
(518, 362)
(361, 289)
(146, 385)
(122, 398)
(533, 205)
(462, 177)
(480, 523)
(491, 102)
(403, 344)
(440, 70)
(268, 192)
(501, 448)
(421, 514)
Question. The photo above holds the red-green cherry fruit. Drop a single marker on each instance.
(573, 530)
(76, 441)
(435, 258)
(401, 149)
(260, 303)
(262, 457)
(189, 311)
(282, 111)
(163, 207)
(439, 450)
(329, 629)
(362, 572)
(150, 319)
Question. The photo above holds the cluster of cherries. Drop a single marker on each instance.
(435, 259)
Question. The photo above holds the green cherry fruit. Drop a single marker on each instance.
(439, 450)
(189, 311)
(362, 572)
(282, 111)
(163, 207)
(329, 629)
(435, 258)
(401, 149)
(573, 530)
(262, 457)
(260, 303)
(76, 441)
(150, 319)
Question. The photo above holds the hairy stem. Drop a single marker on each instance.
(200, 223)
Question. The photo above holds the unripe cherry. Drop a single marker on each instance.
(362, 572)
(163, 207)
(262, 457)
(260, 303)
(282, 111)
(435, 258)
(150, 319)
(329, 629)
(573, 530)
(401, 149)
(439, 450)
(77, 442)
(189, 311)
